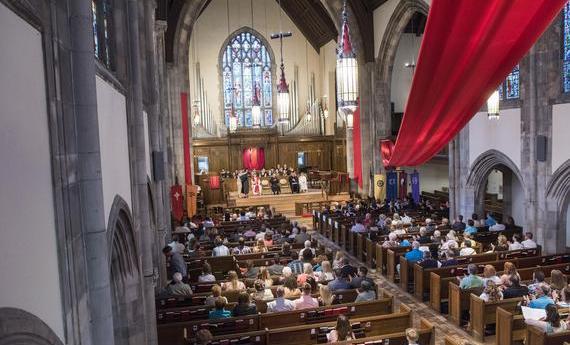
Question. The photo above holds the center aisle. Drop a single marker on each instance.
(442, 326)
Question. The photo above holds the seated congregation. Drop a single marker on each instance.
(482, 274)
(266, 280)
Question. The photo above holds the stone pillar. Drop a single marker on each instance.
(175, 131)
(89, 172)
(138, 164)
(163, 220)
(508, 179)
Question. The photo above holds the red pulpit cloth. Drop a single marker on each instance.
(176, 202)
(468, 49)
(215, 182)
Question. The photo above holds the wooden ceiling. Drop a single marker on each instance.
(310, 16)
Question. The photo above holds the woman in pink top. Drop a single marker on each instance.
(306, 301)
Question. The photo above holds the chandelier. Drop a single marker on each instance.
(346, 72)
(283, 96)
(493, 106)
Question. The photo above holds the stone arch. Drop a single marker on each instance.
(20, 327)
(385, 65)
(126, 279)
(557, 201)
(480, 170)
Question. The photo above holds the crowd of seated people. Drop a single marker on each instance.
(538, 294)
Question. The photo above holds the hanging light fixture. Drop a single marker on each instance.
(283, 98)
(325, 107)
(493, 106)
(196, 114)
(346, 72)
(255, 100)
(308, 115)
(256, 107)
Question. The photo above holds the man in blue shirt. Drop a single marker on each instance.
(470, 229)
(219, 311)
(296, 265)
(490, 221)
(542, 299)
(340, 282)
(415, 254)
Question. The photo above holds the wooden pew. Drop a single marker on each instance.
(426, 333)
(174, 333)
(392, 259)
(322, 314)
(483, 314)
(452, 340)
(459, 301)
(370, 253)
(510, 327)
(370, 326)
(535, 336)
(250, 338)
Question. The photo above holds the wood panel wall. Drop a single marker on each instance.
(324, 152)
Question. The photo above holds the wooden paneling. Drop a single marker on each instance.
(326, 153)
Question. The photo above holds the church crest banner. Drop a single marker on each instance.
(379, 187)
(392, 188)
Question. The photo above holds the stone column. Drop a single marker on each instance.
(138, 165)
(89, 172)
(508, 179)
(175, 136)
(164, 226)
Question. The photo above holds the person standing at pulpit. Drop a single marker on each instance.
(294, 182)
(275, 187)
(244, 178)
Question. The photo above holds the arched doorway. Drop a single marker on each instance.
(126, 287)
(20, 327)
(557, 231)
(497, 187)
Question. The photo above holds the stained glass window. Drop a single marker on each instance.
(510, 88)
(246, 70)
(102, 31)
(566, 49)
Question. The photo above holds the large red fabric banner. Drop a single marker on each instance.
(253, 158)
(357, 148)
(468, 49)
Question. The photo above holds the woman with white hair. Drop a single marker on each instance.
(450, 240)
(392, 241)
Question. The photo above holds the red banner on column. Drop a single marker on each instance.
(186, 138)
(176, 202)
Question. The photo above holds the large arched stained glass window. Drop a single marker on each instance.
(246, 69)
(566, 48)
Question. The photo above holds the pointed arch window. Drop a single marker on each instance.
(566, 48)
(246, 69)
(510, 88)
(102, 11)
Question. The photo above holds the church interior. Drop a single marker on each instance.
(262, 172)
